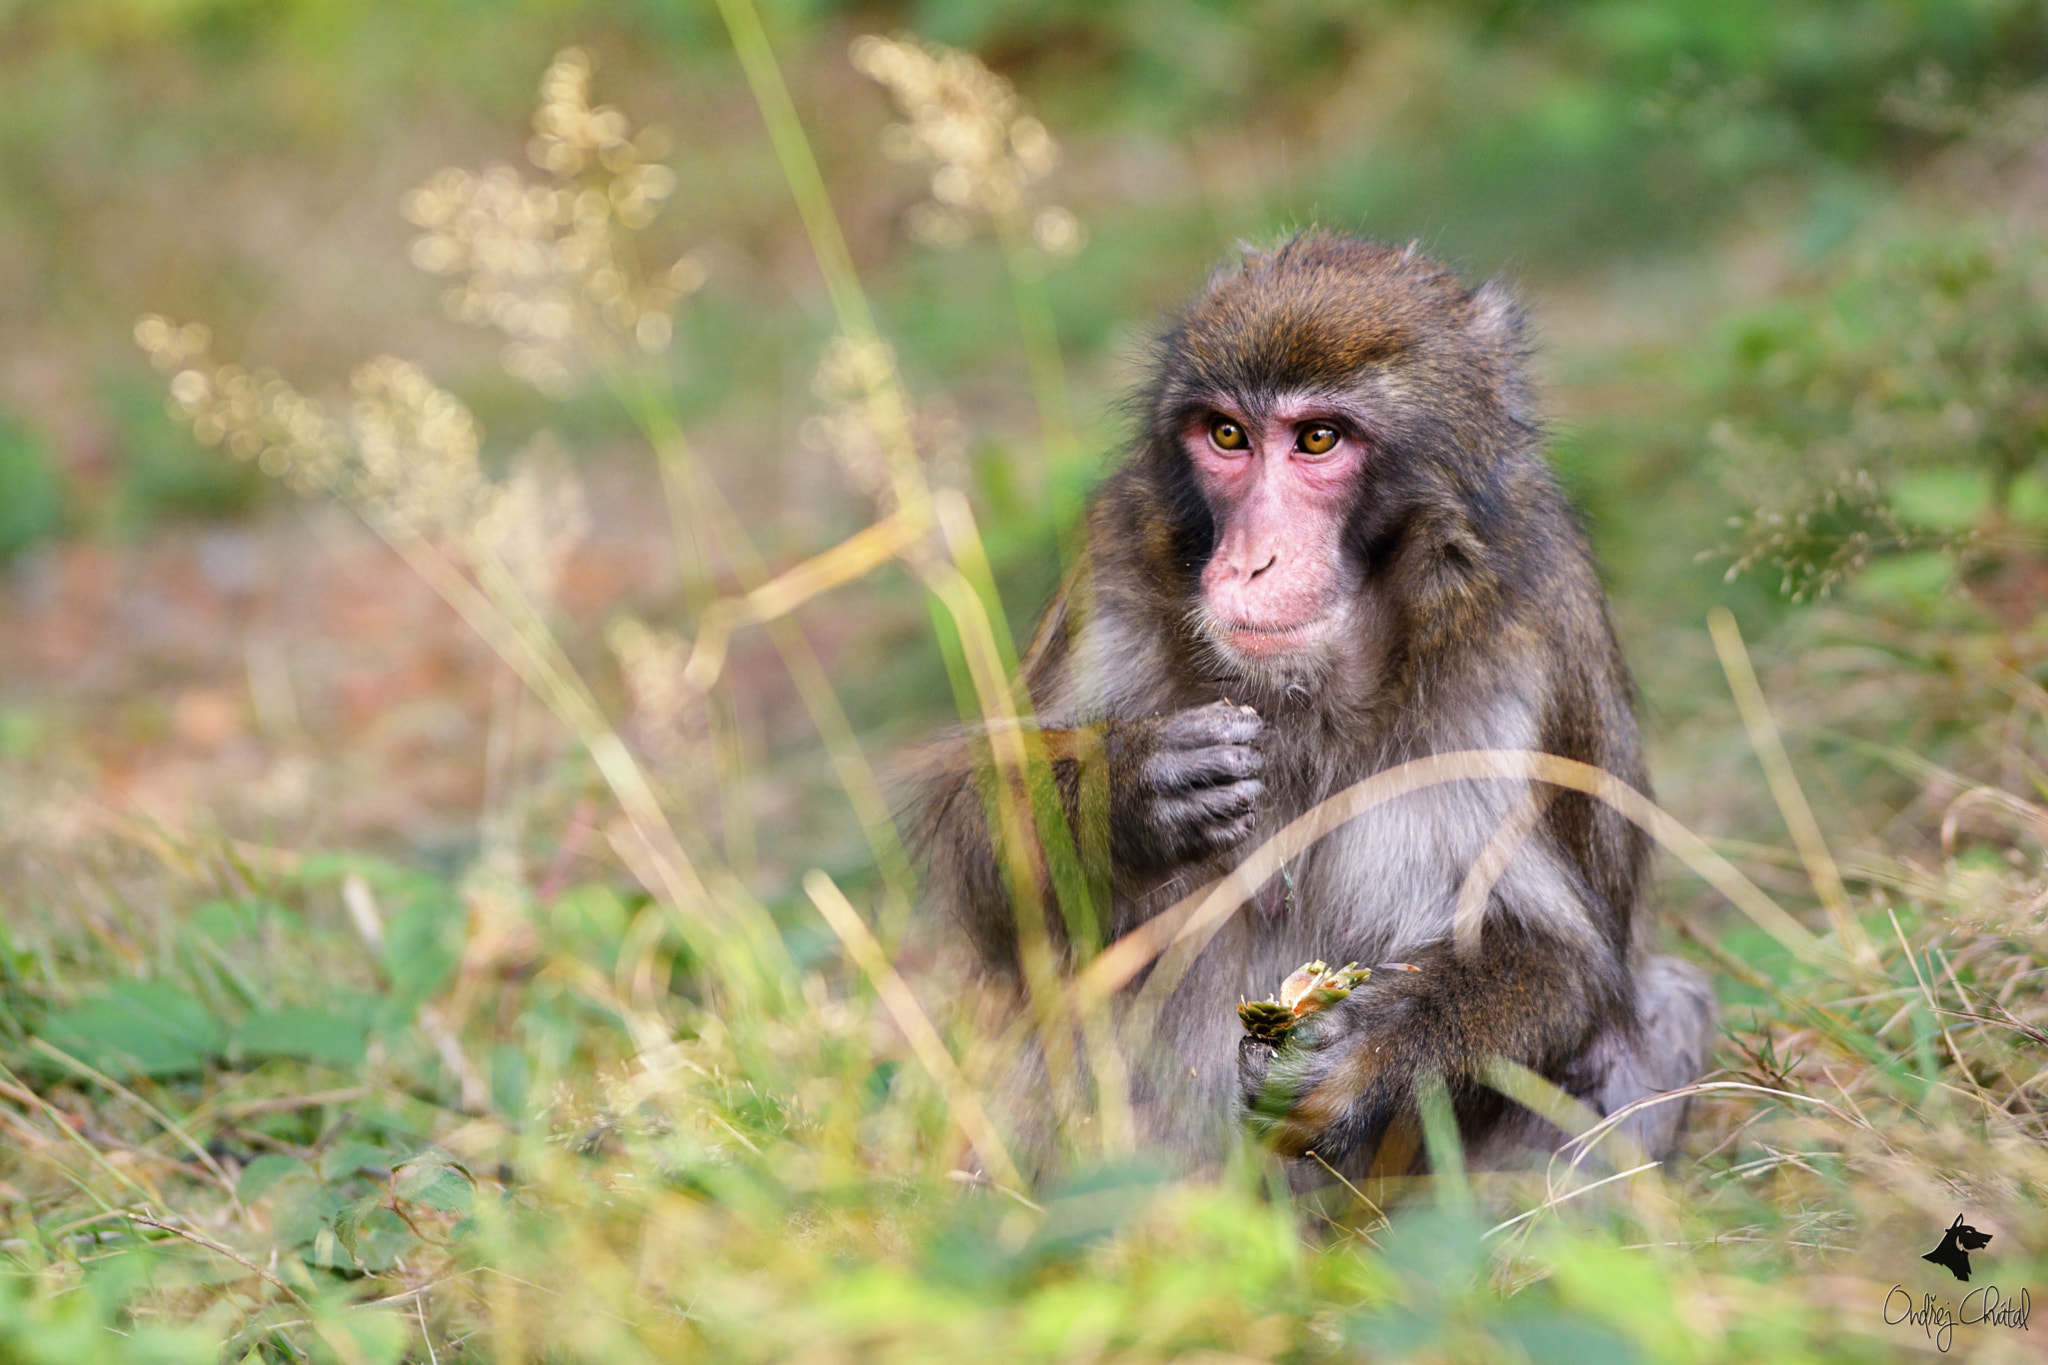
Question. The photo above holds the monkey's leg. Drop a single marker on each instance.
(1676, 1015)
(1664, 1046)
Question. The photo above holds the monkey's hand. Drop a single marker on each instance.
(1184, 786)
(1338, 1079)
(1345, 1073)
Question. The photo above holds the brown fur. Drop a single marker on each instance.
(1477, 621)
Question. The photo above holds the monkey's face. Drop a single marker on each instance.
(1279, 479)
(1314, 401)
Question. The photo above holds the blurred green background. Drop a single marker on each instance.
(1788, 281)
(1655, 177)
(1783, 265)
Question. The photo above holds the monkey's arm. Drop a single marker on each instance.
(1345, 1073)
(1181, 787)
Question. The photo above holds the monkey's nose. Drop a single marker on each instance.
(1270, 562)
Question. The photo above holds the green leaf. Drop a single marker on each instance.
(423, 944)
(437, 1185)
(1942, 499)
(1921, 577)
(138, 1028)
(373, 1236)
(1550, 1338)
(591, 917)
(345, 1159)
(225, 921)
(260, 1176)
(348, 1221)
(375, 1338)
(311, 1034)
(301, 1214)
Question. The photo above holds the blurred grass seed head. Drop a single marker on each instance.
(986, 153)
(535, 519)
(256, 416)
(545, 264)
(669, 720)
(862, 425)
(407, 460)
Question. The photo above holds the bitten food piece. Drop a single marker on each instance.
(1310, 987)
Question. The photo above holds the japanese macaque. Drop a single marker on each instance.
(1335, 546)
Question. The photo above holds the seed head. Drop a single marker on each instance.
(255, 416)
(416, 452)
(535, 519)
(667, 717)
(550, 265)
(853, 379)
(984, 150)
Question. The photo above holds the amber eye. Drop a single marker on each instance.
(1316, 439)
(1228, 435)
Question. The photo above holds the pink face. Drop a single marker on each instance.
(1279, 488)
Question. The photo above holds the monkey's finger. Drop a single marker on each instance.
(1216, 723)
(1211, 805)
(1183, 770)
(1225, 763)
(1254, 1055)
(1206, 822)
(1274, 1100)
(1231, 833)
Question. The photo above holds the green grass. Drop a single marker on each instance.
(466, 1118)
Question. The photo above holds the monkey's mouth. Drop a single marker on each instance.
(1264, 640)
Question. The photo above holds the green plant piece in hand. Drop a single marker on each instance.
(1312, 986)
(1267, 1020)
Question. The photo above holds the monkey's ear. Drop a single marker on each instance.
(1496, 317)
(1498, 330)
(1250, 258)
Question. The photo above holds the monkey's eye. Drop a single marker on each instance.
(1317, 438)
(1228, 435)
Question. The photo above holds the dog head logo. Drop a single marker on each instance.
(1957, 1243)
